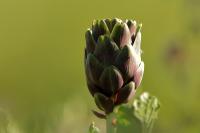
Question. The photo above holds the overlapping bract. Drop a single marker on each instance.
(113, 61)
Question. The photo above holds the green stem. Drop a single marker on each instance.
(151, 125)
(147, 128)
(110, 128)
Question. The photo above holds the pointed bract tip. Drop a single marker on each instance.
(139, 27)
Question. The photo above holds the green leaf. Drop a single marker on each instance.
(123, 121)
(93, 128)
(138, 118)
(146, 109)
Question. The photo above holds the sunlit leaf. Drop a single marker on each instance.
(93, 128)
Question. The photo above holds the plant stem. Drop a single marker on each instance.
(110, 128)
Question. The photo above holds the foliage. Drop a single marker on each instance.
(138, 117)
(93, 128)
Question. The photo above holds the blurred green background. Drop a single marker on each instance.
(42, 81)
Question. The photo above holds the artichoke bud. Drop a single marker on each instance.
(113, 64)
(103, 103)
(125, 93)
(111, 80)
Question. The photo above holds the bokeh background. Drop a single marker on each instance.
(42, 81)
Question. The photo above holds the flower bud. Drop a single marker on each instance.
(113, 64)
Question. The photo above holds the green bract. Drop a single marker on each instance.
(113, 61)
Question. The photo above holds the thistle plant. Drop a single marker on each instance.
(113, 64)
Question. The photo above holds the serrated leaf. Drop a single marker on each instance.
(146, 109)
(138, 118)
